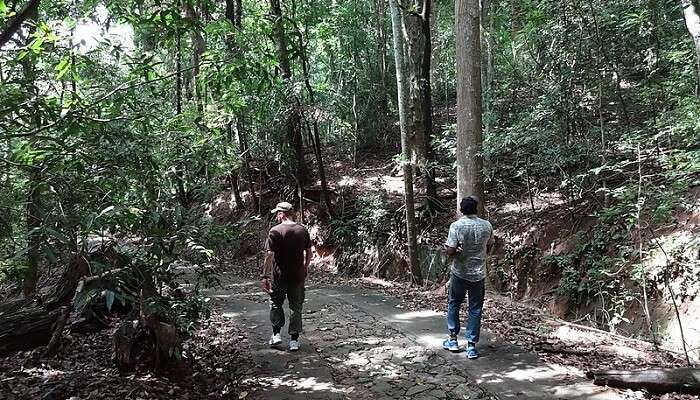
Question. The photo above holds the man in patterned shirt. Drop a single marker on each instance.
(468, 241)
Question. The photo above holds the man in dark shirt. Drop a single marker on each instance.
(284, 271)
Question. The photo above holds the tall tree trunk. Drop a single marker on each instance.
(383, 106)
(178, 67)
(198, 47)
(402, 90)
(293, 121)
(469, 134)
(238, 17)
(416, 29)
(427, 100)
(487, 68)
(434, 56)
(178, 175)
(234, 12)
(692, 23)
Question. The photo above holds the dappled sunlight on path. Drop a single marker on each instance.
(360, 344)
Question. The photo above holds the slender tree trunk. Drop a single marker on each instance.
(178, 176)
(469, 134)
(235, 189)
(427, 100)
(198, 47)
(33, 208)
(233, 174)
(692, 23)
(245, 154)
(383, 108)
(355, 132)
(178, 67)
(234, 12)
(435, 50)
(316, 138)
(411, 231)
(487, 68)
(238, 17)
(293, 122)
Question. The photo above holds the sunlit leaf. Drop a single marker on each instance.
(109, 299)
(63, 67)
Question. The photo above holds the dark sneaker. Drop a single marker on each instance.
(451, 345)
(471, 352)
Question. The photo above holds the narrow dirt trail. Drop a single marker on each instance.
(358, 345)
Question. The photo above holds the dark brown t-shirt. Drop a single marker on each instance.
(288, 242)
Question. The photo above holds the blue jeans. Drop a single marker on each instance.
(458, 290)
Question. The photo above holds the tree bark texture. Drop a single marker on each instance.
(234, 12)
(411, 231)
(469, 118)
(417, 50)
(383, 108)
(487, 68)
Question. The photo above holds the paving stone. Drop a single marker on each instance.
(414, 390)
(437, 394)
(451, 379)
(382, 387)
(463, 391)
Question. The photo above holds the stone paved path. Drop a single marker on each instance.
(359, 345)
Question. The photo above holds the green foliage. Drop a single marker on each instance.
(367, 227)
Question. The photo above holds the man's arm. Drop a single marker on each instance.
(268, 264)
(491, 242)
(452, 243)
(267, 271)
(307, 262)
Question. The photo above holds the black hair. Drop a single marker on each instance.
(468, 205)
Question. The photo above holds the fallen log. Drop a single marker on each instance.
(26, 328)
(657, 381)
(29, 323)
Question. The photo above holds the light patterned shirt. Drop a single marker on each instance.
(472, 234)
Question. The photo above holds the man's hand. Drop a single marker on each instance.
(453, 251)
(267, 285)
(307, 261)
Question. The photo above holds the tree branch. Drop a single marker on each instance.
(16, 23)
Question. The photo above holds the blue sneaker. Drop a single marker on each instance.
(451, 345)
(471, 351)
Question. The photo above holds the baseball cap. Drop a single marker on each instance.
(283, 206)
